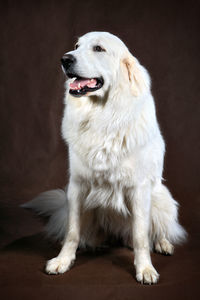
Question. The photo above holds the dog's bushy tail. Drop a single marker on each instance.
(51, 204)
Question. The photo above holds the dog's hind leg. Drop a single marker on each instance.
(165, 229)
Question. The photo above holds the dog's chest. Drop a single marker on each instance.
(104, 161)
(101, 149)
(109, 171)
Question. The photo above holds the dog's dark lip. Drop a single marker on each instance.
(83, 91)
(72, 75)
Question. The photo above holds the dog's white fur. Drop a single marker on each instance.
(116, 155)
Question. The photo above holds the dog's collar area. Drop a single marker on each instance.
(81, 86)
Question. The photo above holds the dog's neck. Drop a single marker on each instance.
(113, 116)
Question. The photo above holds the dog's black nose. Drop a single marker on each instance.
(67, 60)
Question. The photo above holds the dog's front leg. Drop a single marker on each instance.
(141, 207)
(66, 257)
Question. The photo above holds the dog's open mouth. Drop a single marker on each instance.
(81, 86)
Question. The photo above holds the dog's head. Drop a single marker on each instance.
(101, 61)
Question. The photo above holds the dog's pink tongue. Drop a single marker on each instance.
(80, 83)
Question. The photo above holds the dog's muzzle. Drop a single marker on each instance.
(81, 85)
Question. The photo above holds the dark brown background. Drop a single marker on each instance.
(164, 35)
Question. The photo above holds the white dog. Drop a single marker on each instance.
(116, 155)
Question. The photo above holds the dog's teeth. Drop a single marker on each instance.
(79, 85)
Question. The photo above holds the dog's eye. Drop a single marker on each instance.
(76, 46)
(98, 48)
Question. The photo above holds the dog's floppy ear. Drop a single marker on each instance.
(136, 75)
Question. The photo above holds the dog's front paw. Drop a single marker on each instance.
(58, 265)
(147, 275)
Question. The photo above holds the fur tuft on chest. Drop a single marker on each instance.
(106, 196)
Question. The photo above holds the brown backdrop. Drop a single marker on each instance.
(34, 36)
